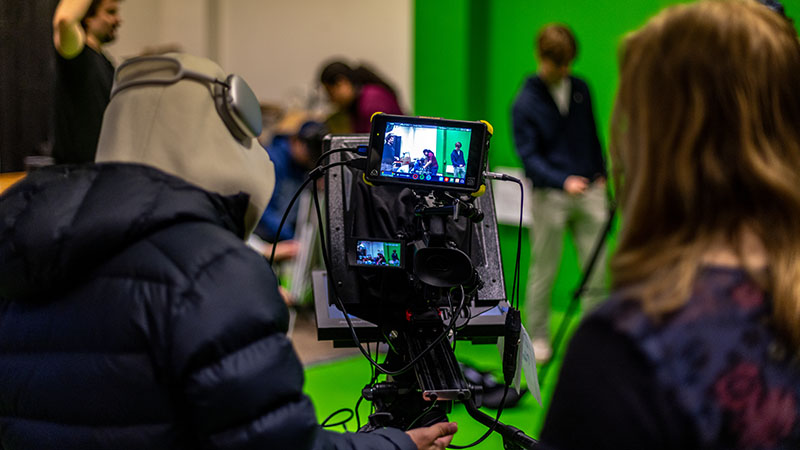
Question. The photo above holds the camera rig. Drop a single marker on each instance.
(444, 283)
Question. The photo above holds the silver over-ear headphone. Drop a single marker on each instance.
(235, 102)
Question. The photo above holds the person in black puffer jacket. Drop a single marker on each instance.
(132, 314)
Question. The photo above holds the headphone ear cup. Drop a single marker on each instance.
(222, 101)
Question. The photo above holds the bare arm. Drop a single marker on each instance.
(69, 36)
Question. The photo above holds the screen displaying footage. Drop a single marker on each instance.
(379, 253)
(429, 153)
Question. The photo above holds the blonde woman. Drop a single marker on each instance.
(698, 345)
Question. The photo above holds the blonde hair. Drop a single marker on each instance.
(706, 145)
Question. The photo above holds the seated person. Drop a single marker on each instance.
(380, 260)
(357, 93)
(431, 166)
(294, 156)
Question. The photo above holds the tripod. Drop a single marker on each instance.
(426, 396)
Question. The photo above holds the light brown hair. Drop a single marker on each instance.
(556, 42)
(706, 146)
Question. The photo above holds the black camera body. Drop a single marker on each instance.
(442, 237)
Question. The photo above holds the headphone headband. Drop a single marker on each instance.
(236, 103)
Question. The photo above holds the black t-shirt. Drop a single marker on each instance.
(83, 85)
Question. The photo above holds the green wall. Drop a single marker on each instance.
(471, 57)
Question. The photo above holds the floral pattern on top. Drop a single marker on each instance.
(722, 361)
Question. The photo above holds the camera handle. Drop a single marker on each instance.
(457, 209)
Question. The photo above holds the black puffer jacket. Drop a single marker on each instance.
(132, 316)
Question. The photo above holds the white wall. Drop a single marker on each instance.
(277, 45)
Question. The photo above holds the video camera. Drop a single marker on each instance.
(413, 260)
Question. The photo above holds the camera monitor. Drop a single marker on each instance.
(376, 253)
(427, 152)
(382, 216)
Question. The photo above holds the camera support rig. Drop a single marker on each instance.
(438, 380)
(420, 326)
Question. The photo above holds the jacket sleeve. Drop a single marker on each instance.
(236, 374)
(527, 140)
(383, 439)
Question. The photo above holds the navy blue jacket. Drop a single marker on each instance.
(133, 316)
(457, 158)
(551, 146)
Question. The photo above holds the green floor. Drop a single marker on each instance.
(337, 385)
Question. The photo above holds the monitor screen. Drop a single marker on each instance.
(378, 253)
(426, 152)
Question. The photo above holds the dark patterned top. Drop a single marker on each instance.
(712, 375)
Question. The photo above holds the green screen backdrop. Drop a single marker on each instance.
(470, 59)
(472, 56)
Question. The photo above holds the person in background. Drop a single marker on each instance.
(358, 94)
(457, 160)
(134, 315)
(81, 28)
(294, 155)
(556, 138)
(698, 345)
(431, 166)
(390, 152)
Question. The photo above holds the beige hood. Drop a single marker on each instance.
(176, 128)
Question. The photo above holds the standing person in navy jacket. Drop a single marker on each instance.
(556, 137)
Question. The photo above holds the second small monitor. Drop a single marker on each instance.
(377, 253)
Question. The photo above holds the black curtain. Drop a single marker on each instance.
(27, 74)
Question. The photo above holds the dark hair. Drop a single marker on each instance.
(774, 5)
(91, 11)
(361, 75)
(557, 43)
(312, 133)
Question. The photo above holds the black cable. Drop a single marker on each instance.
(330, 152)
(325, 423)
(339, 303)
(373, 378)
(515, 295)
(517, 278)
(313, 175)
(491, 428)
(285, 216)
(358, 418)
(411, 425)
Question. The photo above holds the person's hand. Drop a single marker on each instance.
(575, 184)
(435, 437)
(285, 250)
(286, 296)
